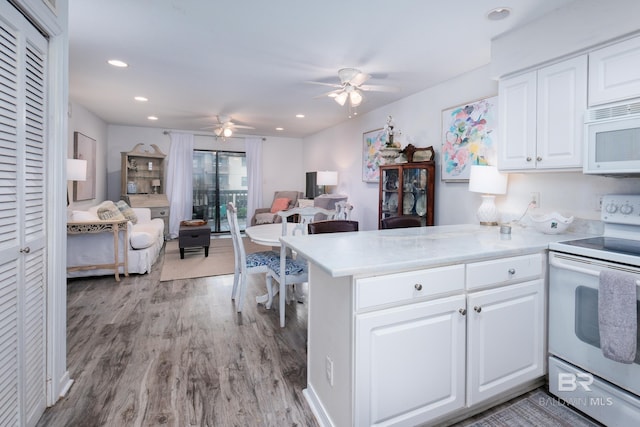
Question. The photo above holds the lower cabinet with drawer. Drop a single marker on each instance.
(163, 214)
(424, 346)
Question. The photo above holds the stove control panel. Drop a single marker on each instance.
(621, 209)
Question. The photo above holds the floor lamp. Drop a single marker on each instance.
(76, 171)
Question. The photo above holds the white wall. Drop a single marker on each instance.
(282, 169)
(84, 121)
(419, 117)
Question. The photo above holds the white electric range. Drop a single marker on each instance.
(579, 373)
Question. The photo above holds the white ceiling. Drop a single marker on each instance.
(251, 59)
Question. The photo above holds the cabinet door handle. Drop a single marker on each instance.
(25, 250)
(528, 159)
(538, 159)
(512, 271)
(477, 309)
(418, 286)
(462, 311)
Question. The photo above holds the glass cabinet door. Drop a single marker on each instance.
(390, 186)
(414, 199)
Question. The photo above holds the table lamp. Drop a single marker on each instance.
(325, 178)
(488, 181)
(76, 171)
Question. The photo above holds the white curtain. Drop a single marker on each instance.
(179, 180)
(253, 148)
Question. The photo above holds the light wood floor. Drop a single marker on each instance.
(146, 353)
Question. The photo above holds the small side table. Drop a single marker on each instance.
(191, 236)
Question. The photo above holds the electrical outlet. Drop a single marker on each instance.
(598, 202)
(329, 370)
(535, 198)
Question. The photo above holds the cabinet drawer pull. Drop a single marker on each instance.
(418, 286)
(163, 213)
(462, 311)
(538, 159)
(528, 159)
(512, 271)
(477, 309)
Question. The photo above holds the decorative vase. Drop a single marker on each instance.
(390, 154)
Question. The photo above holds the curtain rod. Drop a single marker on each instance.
(213, 135)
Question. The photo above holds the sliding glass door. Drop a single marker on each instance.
(219, 177)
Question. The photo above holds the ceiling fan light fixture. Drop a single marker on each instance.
(227, 132)
(341, 98)
(355, 98)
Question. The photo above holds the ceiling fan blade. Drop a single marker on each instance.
(359, 79)
(379, 88)
(242, 127)
(330, 93)
(325, 84)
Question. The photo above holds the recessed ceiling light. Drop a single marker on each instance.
(300, 116)
(279, 128)
(498, 13)
(118, 63)
(152, 118)
(141, 98)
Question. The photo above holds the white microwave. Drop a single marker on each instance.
(612, 136)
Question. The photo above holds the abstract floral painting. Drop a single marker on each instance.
(372, 142)
(469, 134)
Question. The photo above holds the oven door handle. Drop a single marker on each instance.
(559, 264)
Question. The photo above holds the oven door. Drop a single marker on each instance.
(573, 318)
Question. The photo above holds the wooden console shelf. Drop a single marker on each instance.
(103, 227)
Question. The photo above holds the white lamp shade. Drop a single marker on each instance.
(155, 183)
(487, 180)
(327, 178)
(76, 170)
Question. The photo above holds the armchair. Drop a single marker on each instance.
(268, 215)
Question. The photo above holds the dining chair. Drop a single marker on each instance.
(332, 226)
(290, 270)
(302, 217)
(343, 210)
(245, 264)
(404, 221)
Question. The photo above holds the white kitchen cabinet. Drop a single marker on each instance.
(505, 339)
(541, 117)
(410, 362)
(614, 72)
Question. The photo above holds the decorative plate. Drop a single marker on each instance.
(407, 203)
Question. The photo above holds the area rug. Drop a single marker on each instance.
(220, 260)
(536, 410)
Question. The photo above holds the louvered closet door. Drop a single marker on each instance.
(22, 220)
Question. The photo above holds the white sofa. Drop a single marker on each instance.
(145, 240)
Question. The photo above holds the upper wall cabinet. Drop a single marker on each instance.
(541, 117)
(614, 72)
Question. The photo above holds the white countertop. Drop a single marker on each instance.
(385, 251)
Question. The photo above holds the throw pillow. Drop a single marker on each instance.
(265, 218)
(127, 211)
(109, 211)
(280, 204)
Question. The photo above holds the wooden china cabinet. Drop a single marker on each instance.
(407, 189)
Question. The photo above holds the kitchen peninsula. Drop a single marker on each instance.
(423, 325)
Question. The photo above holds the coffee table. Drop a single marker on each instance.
(191, 236)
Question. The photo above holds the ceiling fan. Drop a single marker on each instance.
(351, 87)
(225, 127)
